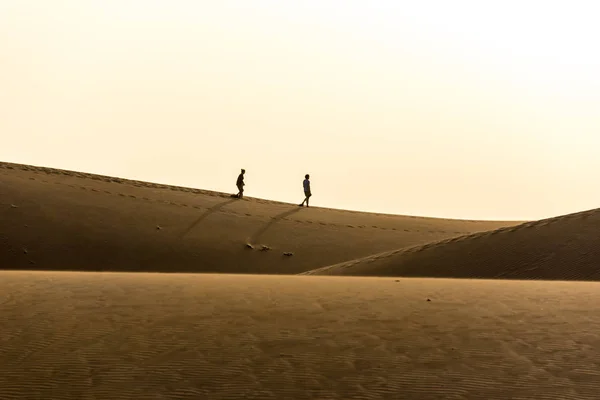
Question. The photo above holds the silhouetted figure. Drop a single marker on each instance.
(307, 193)
(240, 184)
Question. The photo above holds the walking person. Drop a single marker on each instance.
(307, 192)
(240, 184)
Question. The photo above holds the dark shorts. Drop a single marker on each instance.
(307, 194)
(240, 188)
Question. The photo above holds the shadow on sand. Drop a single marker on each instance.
(206, 213)
(257, 235)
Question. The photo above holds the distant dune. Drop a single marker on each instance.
(63, 220)
(561, 248)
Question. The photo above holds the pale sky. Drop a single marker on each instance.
(462, 109)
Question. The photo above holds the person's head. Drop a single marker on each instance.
(307, 176)
(243, 171)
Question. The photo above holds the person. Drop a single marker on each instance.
(307, 193)
(240, 184)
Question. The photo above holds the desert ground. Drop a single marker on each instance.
(118, 289)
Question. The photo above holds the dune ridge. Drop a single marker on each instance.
(63, 220)
(559, 248)
(144, 184)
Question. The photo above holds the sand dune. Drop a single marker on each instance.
(561, 248)
(154, 336)
(116, 335)
(63, 220)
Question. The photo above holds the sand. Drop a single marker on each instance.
(196, 309)
(176, 336)
(64, 220)
(561, 248)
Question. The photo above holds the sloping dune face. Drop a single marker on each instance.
(61, 220)
(117, 336)
(562, 248)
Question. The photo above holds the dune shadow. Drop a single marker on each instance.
(257, 235)
(201, 218)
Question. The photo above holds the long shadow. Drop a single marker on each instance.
(206, 213)
(257, 235)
